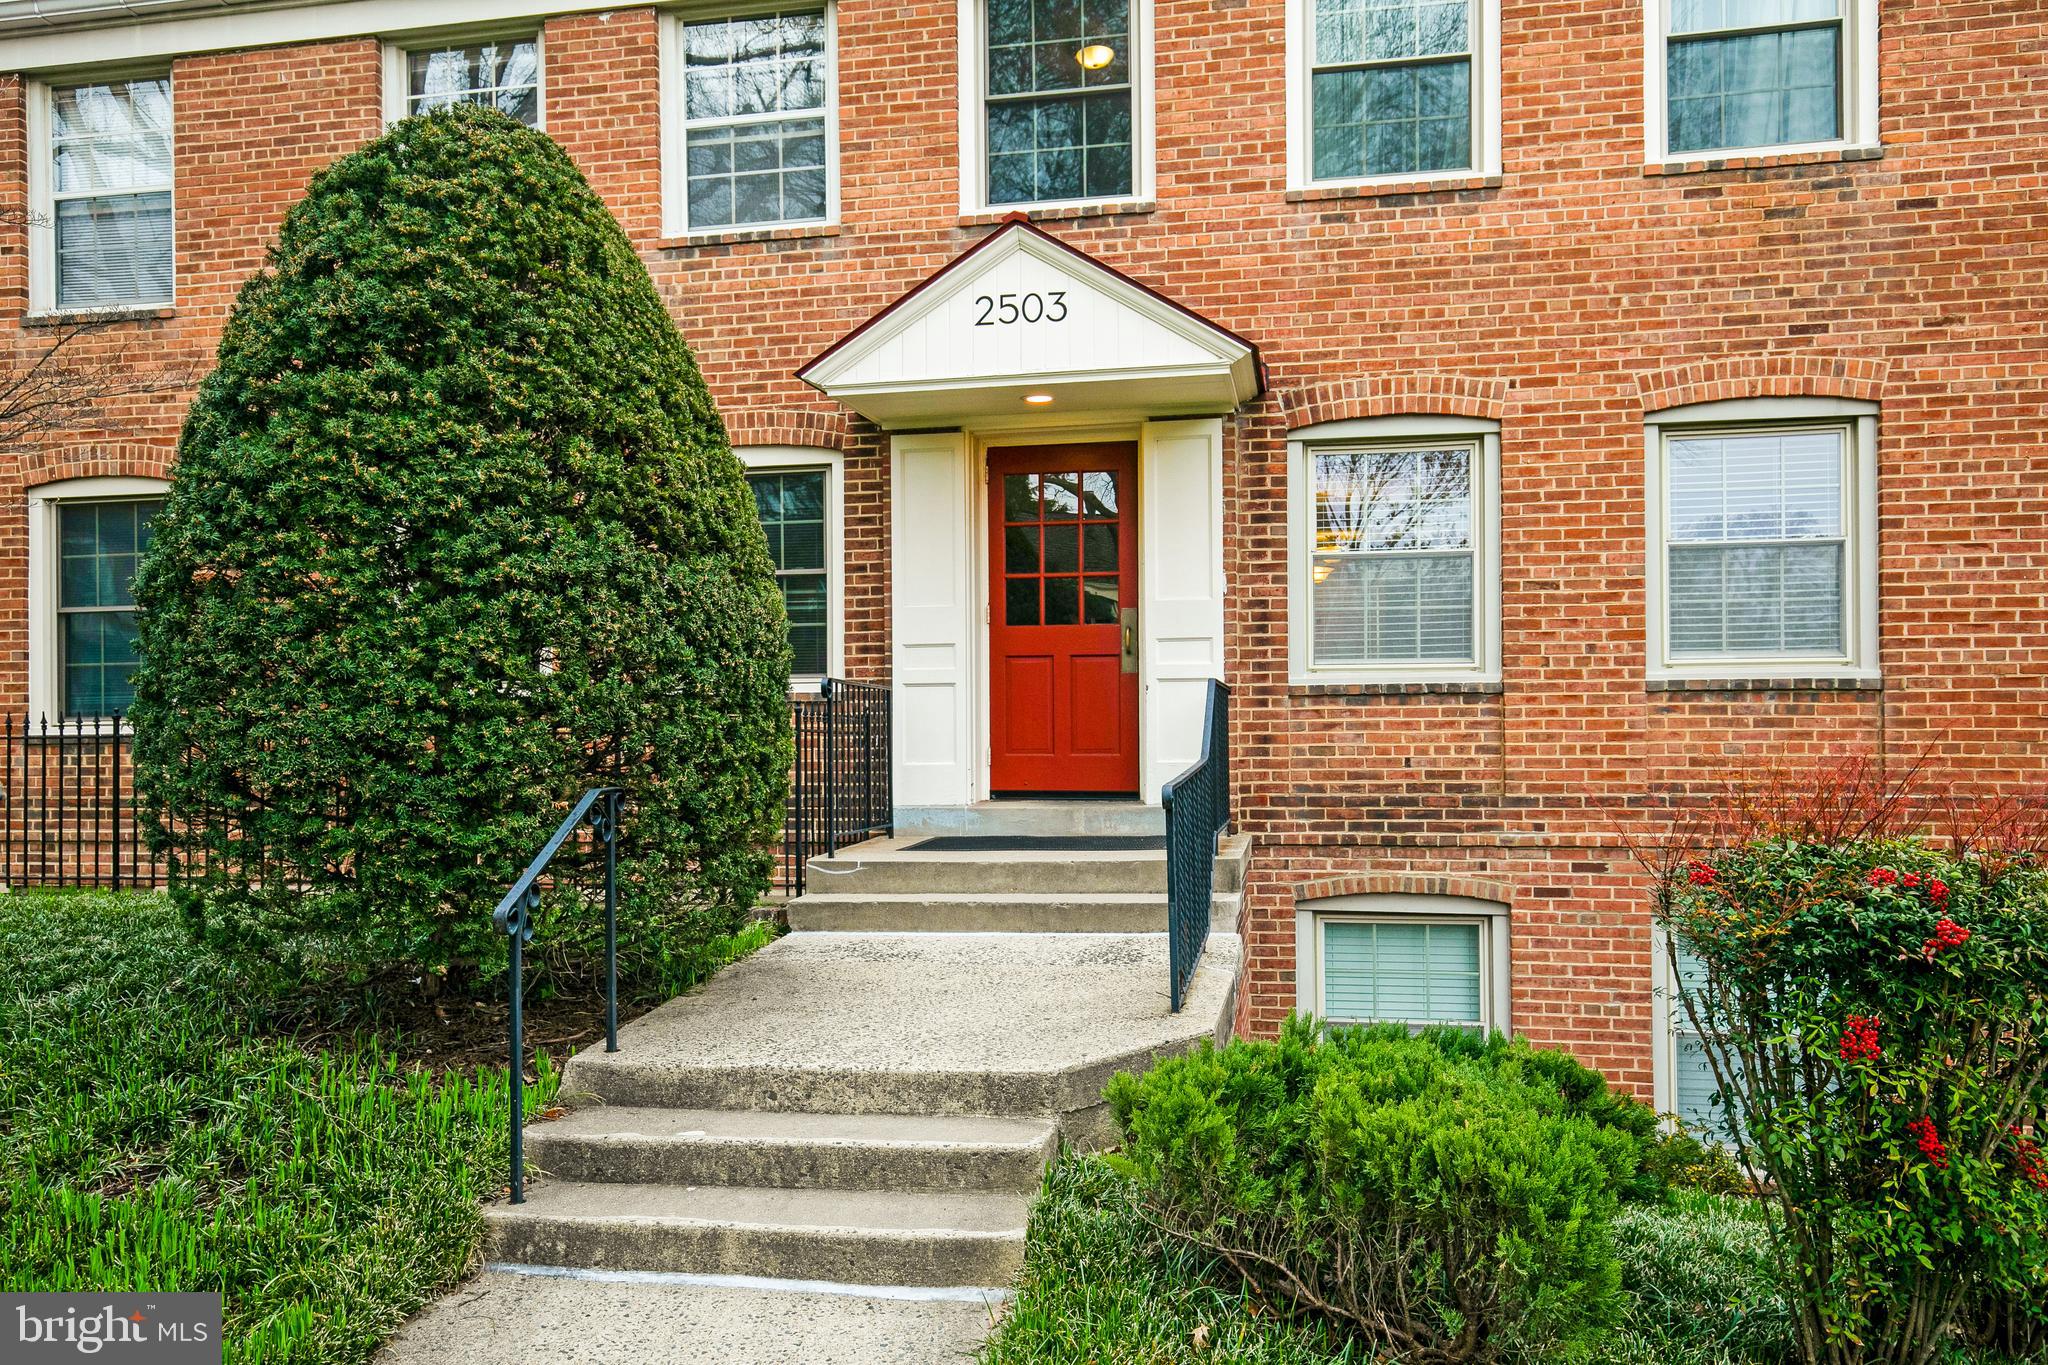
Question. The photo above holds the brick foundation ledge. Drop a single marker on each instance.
(1475, 688)
(1764, 685)
(1761, 161)
(1315, 194)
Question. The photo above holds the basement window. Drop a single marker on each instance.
(1407, 959)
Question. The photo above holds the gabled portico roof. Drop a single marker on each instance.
(1023, 313)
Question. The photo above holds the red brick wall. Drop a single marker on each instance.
(1564, 302)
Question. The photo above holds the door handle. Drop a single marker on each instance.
(1130, 639)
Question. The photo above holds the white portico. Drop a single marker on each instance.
(1053, 624)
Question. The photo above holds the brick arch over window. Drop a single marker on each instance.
(1402, 884)
(811, 427)
(1390, 395)
(1763, 376)
(120, 459)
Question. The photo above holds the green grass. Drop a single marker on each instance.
(1101, 1287)
(156, 1133)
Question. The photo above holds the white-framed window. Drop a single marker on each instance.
(86, 537)
(1684, 1082)
(500, 71)
(1386, 91)
(1394, 555)
(1727, 77)
(100, 187)
(1763, 553)
(799, 495)
(1055, 102)
(1407, 959)
(751, 119)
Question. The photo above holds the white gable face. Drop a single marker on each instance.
(1025, 315)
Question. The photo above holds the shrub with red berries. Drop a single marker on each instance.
(1876, 1011)
(1859, 1039)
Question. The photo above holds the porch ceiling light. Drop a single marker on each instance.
(1095, 56)
(1039, 398)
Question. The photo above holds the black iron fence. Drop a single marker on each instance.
(1197, 812)
(67, 805)
(839, 788)
(67, 792)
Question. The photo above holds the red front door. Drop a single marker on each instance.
(1063, 567)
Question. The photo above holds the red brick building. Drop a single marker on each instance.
(1531, 409)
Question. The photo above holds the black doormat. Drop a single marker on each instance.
(1037, 843)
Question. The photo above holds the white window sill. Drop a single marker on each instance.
(87, 317)
(1744, 158)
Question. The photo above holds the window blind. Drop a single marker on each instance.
(110, 147)
(1392, 566)
(1756, 551)
(1407, 973)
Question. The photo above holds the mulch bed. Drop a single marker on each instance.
(460, 1033)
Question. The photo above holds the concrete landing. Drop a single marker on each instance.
(505, 1319)
(914, 1024)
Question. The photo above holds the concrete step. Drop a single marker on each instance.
(1017, 913)
(889, 867)
(953, 1237)
(1031, 817)
(627, 1145)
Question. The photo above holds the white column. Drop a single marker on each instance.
(1180, 577)
(932, 626)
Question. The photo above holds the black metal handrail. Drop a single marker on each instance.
(600, 809)
(1197, 812)
(840, 788)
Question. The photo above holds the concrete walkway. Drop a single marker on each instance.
(866, 1107)
(506, 1319)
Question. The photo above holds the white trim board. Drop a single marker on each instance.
(221, 28)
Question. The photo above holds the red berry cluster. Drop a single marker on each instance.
(1929, 1141)
(1882, 876)
(1947, 934)
(1859, 1039)
(2027, 1157)
(1699, 874)
(1937, 890)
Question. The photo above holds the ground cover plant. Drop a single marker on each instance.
(454, 533)
(1871, 987)
(169, 1120)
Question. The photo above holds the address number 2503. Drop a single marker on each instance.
(1001, 310)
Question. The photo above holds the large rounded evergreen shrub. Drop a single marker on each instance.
(454, 533)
